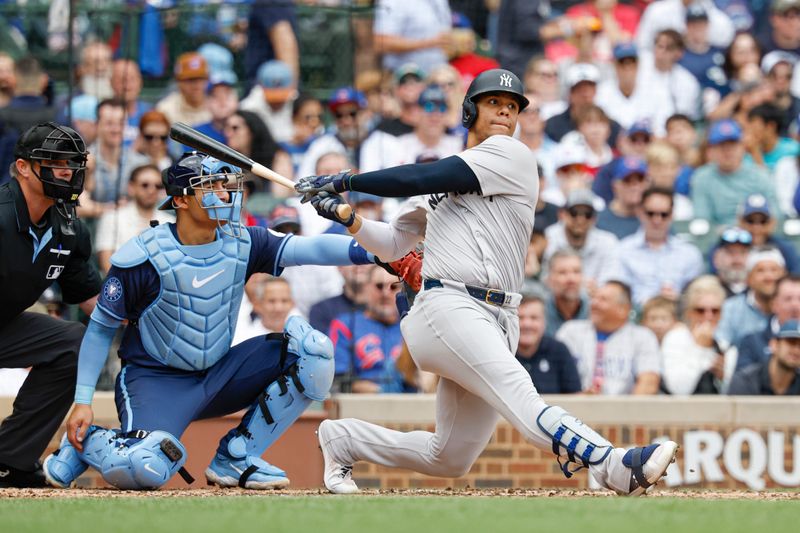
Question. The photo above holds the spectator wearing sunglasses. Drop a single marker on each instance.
(749, 311)
(729, 259)
(756, 217)
(652, 261)
(146, 191)
(576, 231)
(348, 107)
(430, 133)
(150, 147)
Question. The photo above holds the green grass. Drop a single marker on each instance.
(402, 514)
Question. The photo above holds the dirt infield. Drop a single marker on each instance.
(454, 493)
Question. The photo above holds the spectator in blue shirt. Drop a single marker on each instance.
(547, 360)
(628, 183)
(780, 375)
(756, 217)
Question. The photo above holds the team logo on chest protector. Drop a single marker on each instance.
(191, 323)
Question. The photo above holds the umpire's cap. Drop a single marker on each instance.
(497, 80)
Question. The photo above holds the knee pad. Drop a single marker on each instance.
(570, 435)
(315, 367)
(136, 460)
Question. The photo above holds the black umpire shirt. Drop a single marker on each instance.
(33, 257)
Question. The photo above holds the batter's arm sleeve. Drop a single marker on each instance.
(323, 249)
(385, 240)
(94, 351)
(450, 174)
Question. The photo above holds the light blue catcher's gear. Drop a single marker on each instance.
(63, 466)
(131, 461)
(284, 400)
(251, 472)
(581, 442)
(190, 324)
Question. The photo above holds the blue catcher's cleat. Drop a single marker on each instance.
(250, 472)
(648, 464)
(63, 466)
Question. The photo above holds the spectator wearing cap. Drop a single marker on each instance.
(785, 306)
(271, 34)
(272, 97)
(622, 97)
(778, 67)
(749, 311)
(223, 100)
(783, 32)
(582, 81)
(702, 59)
(728, 259)
(614, 356)
(576, 231)
(310, 283)
(219, 59)
(628, 183)
(430, 135)
(755, 216)
(150, 147)
(633, 144)
(571, 173)
(307, 125)
(83, 111)
(765, 146)
(780, 375)
(126, 83)
(408, 85)
(721, 186)
(525, 26)
(566, 298)
(188, 103)
(348, 108)
(412, 31)
(541, 80)
(671, 14)
(670, 86)
(653, 261)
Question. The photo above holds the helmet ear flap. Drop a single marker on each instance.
(469, 112)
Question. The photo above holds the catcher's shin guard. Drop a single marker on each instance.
(284, 400)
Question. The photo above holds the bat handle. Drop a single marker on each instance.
(344, 211)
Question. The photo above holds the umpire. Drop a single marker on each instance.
(41, 242)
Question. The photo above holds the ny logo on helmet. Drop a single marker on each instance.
(505, 80)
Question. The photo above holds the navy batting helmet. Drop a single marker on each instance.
(491, 81)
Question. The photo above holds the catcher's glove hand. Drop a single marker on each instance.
(409, 269)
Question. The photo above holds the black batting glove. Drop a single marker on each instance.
(326, 205)
(331, 183)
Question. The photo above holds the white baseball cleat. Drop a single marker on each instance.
(338, 478)
(648, 464)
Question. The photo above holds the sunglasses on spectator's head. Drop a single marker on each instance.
(151, 138)
(736, 236)
(575, 212)
(433, 107)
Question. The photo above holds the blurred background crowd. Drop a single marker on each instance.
(664, 256)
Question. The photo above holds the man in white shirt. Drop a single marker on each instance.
(271, 99)
(671, 14)
(117, 227)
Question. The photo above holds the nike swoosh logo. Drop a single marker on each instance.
(151, 469)
(197, 283)
(238, 470)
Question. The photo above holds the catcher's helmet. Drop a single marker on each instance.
(54, 146)
(491, 81)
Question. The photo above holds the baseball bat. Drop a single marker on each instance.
(191, 137)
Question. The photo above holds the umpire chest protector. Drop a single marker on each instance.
(190, 324)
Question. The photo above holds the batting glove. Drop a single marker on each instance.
(326, 204)
(332, 183)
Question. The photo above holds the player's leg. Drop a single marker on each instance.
(155, 406)
(464, 425)
(50, 347)
(276, 378)
(483, 363)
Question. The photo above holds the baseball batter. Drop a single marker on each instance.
(476, 222)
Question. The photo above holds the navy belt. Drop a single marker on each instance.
(489, 296)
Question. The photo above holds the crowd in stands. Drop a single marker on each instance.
(664, 255)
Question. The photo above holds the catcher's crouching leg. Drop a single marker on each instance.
(238, 459)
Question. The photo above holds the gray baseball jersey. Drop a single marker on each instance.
(480, 239)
